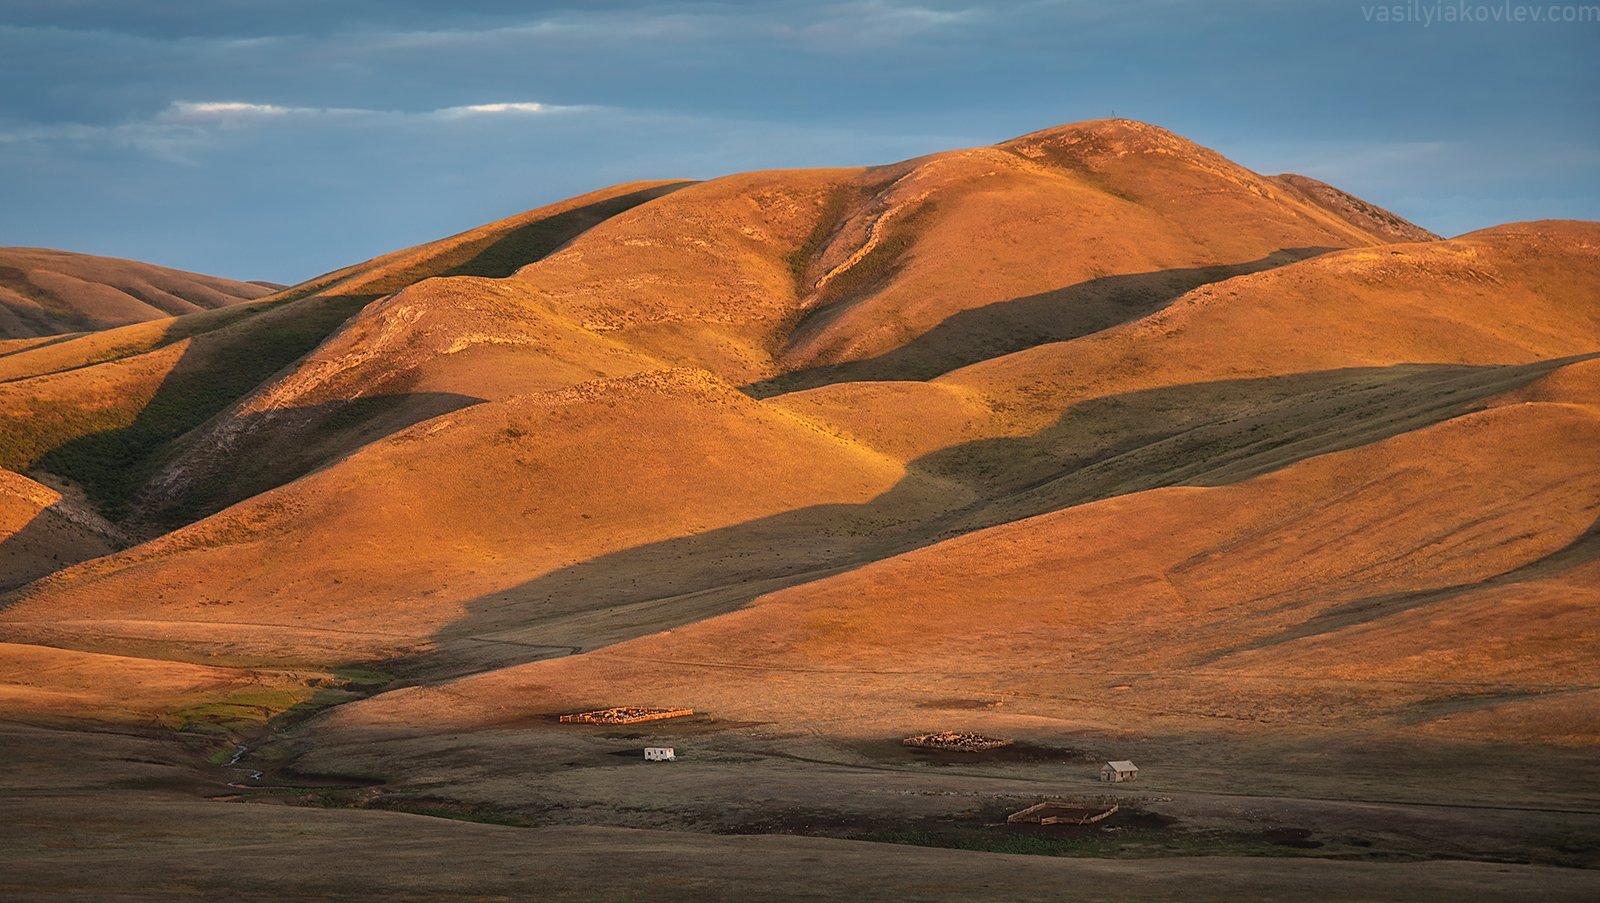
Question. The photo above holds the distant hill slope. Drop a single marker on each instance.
(1354, 210)
(45, 292)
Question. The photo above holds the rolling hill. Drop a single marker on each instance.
(45, 293)
(733, 275)
(636, 291)
(1092, 439)
(495, 559)
(101, 410)
(1351, 585)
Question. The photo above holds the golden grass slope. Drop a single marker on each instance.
(433, 347)
(758, 274)
(39, 684)
(1353, 209)
(458, 519)
(462, 525)
(1408, 581)
(963, 255)
(45, 292)
(966, 255)
(100, 410)
(1509, 295)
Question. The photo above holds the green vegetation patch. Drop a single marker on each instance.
(885, 259)
(834, 206)
(241, 710)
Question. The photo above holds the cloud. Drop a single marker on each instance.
(213, 108)
(900, 17)
(822, 26)
(515, 109)
(497, 108)
(414, 23)
(237, 111)
(874, 22)
(233, 110)
(171, 141)
(185, 127)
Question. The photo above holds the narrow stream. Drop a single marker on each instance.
(239, 753)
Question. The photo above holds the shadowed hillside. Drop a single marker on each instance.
(42, 531)
(101, 410)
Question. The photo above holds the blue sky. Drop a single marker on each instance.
(276, 139)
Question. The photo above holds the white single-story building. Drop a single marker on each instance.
(660, 754)
(1117, 772)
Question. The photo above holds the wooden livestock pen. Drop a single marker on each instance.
(624, 715)
(1061, 814)
(957, 742)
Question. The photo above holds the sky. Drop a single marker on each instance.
(278, 139)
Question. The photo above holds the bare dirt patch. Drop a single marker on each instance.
(896, 752)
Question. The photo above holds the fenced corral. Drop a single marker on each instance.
(624, 715)
(1061, 814)
(951, 740)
